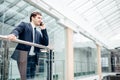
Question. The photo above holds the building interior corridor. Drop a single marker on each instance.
(84, 39)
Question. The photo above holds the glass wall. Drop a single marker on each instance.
(106, 60)
(85, 53)
(12, 12)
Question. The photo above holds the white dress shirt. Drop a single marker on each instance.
(32, 47)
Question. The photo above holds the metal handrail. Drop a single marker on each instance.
(3, 37)
(5, 70)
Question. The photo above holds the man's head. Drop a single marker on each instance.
(36, 18)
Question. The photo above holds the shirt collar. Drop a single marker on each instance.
(33, 26)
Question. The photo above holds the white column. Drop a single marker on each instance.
(99, 67)
(69, 55)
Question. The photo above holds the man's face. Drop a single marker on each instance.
(37, 20)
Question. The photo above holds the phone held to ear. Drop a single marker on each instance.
(41, 24)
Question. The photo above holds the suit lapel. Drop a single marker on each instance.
(31, 30)
(30, 27)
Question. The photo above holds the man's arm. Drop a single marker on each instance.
(45, 39)
(15, 32)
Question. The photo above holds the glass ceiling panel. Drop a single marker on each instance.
(109, 17)
(19, 16)
(21, 4)
(15, 8)
(97, 1)
(101, 26)
(1, 1)
(114, 22)
(10, 14)
(108, 9)
(24, 12)
(117, 1)
(103, 15)
(11, 1)
(118, 29)
(29, 9)
(41, 4)
(112, 16)
(105, 31)
(1, 19)
(85, 7)
(5, 4)
(115, 28)
(75, 4)
(111, 34)
(10, 21)
(93, 16)
(104, 3)
(108, 31)
(119, 5)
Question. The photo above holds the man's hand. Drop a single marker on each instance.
(42, 26)
(11, 37)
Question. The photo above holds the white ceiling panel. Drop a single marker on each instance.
(115, 22)
(96, 2)
(109, 9)
(84, 8)
(76, 3)
(112, 16)
(93, 16)
(103, 3)
(117, 1)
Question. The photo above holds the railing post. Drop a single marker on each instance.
(50, 66)
(5, 56)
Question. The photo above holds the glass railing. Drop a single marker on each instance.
(84, 68)
(9, 69)
(108, 68)
(58, 70)
(111, 71)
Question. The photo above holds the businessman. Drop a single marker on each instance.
(25, 55)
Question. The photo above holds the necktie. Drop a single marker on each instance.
(34, 35)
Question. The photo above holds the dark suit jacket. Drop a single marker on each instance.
(25, 32)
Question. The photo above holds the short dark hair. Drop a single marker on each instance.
(33, 14)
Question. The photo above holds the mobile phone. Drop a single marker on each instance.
(41, 24)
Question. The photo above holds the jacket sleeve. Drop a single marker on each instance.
(45, 39)
(18, 29)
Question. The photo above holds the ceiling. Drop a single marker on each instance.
(100, 18)
(12, 12)
(15, 11)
